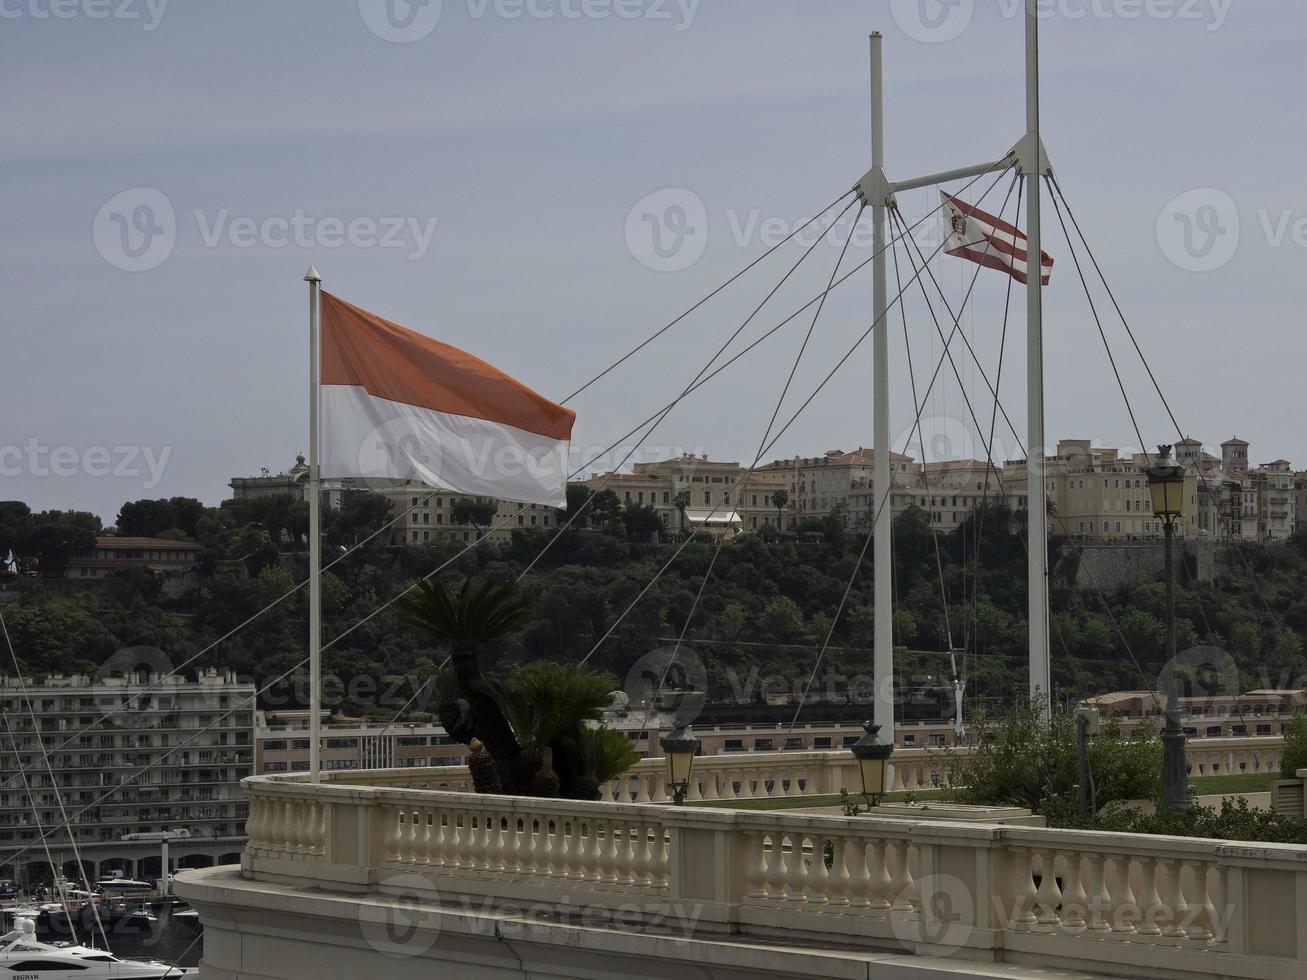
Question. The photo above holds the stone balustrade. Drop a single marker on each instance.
(775, 775)
(1080, 900)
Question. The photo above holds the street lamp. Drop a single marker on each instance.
(679, 749)
(1166, 483)
(873, 763)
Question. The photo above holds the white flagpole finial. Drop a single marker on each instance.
(312, 275)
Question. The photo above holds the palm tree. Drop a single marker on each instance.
(682, 501)
(778, 500)
(478, 614)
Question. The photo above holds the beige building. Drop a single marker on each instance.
(1236, 503)
(693, 492)
(837, 481)
(951, 490)
(1100, 495)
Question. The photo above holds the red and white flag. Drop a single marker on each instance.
(397, 405)
(971, 233)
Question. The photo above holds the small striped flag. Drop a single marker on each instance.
(971, 233)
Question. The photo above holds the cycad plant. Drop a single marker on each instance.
(480, 613)
(534, 729)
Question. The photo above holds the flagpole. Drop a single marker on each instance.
(1037, 507)
(315, 531)
(883, 634)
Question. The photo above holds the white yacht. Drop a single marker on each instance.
(23, 955)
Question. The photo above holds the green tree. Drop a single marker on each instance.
(1293, 756)
(782, 619)
(474, 512)
(1026, 759)
(642, 522)
(779, 500)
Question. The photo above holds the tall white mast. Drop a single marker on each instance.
(1033, 166)
(315, 531)
(882, 578)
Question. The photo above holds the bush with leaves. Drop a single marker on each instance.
(1294, 754)
(1024, 759)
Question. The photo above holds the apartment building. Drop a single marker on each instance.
(169, 756)
(1236, 503)
(841, 482)
(950, 490)
(691, 492)
(1098, 494)
(283, 746)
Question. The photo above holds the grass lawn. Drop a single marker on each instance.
(1251, 782)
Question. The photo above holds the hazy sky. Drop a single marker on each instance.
(484, 176)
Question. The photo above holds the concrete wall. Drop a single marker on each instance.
(1110, 565)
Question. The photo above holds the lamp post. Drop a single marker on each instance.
(873, 762)
(1166, 484)
(679, 750)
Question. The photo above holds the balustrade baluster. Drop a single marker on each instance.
(1177, 909)
(1097, 901)
(794, 871)
(901, 880)
(881, 880)
(1125, 910)
(838, 877)
(1200, 928)
(1151, 910)
(1073, 896)
(1023, 906)
(1049, 896)
(775, 875)
(859, 887)
(1220, 899)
